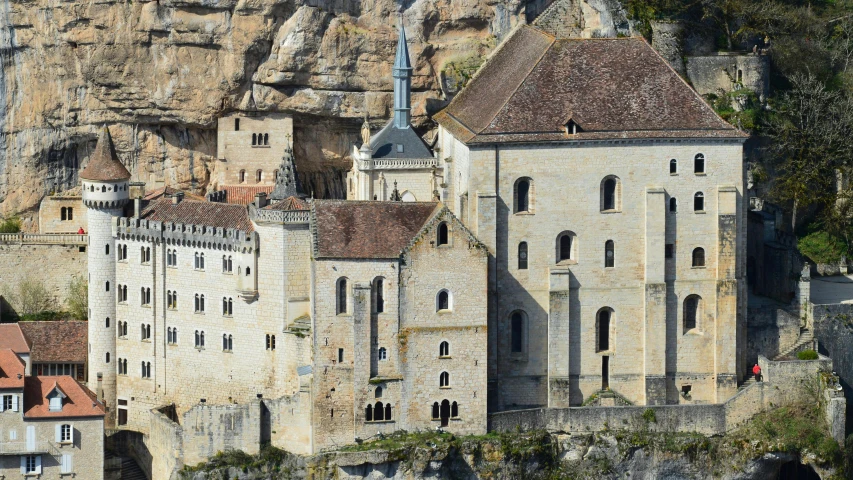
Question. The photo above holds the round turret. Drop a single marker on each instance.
(106, 182)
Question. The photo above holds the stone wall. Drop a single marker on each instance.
(51, 219)
(723, 72)
(771, 329)
(31, 256)
(773, 262)
(833, 329)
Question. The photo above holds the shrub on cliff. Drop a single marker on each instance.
(807, 355)
(10, 225)
(821, 247)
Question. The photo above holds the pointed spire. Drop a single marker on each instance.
(402, 82)
(395, 194)
(286, 182)
(104, 164)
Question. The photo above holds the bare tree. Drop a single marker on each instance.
(30, 296)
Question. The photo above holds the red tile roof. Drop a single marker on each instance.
(57, 341)
(12, 337)
(211, 214)
(104, 164)
(11, 366)
(244, 194)
(611, 88)
(79, 401)
(367, 229)
(289, 203)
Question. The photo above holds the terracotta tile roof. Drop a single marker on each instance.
(368, 229)
(12, 337)
(79, 401)
(612, 88)
(211, 214)
(57, 341)
(168, 192)
(11, 366)
(104, 164)
(289, 203)
(244, 194)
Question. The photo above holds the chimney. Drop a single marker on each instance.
(177, 197)
(137, 207)
(260, 200)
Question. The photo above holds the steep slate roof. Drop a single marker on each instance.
(104, 164)
(384, 144)
(79, 401)
(11, 366)
(610, 87)
(244, 194)
(58, 341)
(211, 214)
(367, 229)
(12, 337)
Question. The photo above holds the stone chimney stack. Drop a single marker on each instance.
(177, 197)
(260, 200)
(137, 207)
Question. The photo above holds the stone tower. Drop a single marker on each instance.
(402, 83)
(105, 193)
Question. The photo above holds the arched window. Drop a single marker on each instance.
(103, 189)
(341, 296)
(387, 411)
(673, 166)
(254, 139)
(699, 202)
(108, 286)
(517, 332)
(383, 353)
(368, 413)
(70, 213)
(692, 312)
(63, 215)
(454, 410)
(608, 254)
(445, 412)
(227, 306)
(522, 256)
(523, 195)
(259, 175)
(699, 257)
(435, 410)
(107, 248)
(442, 233)
(378, 412)
(108, 322)
(378, 392)
(566, 247)
(444, 379)
(242, 176)
(443, 301)
(610, 193)
(673, 205)
(699, 163)
(603, 329)
(378, 295)
(266, 139)
(444, 349)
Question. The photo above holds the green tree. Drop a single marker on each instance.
(30, 296)
(78, 298)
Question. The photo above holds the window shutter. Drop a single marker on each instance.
(67, 464)
(23, 464)
(14, 403)
(71, 428)
(58, 428)
(2, 402)
(38, 464)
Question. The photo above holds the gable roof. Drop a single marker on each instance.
(79, 401)
(366, 229)
(385, 143)
(104, 164)
(444, 214)
(244, 194)
(57, 341)
(11, 366)
(610, 87)
(211, 214)
(12, 337)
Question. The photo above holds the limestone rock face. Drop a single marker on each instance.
(160, 73)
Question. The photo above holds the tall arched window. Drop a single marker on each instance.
(387, 411)
(699, 163)
(108, 322)
(603, 329)
(699, 202)
(242, 176)
(254, 139)
(443, 301)
(378, 295)
(522, 256)
(266, 139)
(259, 175)
(108, 286)
(673, 205)
(673, 166)
(522, 195)
(699, 257)
(368, 413)
(341, 296)
(609, 193)
(377, 393)
(517, 332)
(444, 349)
(442, 233)
(378, 412)
(692, 312)
(608, 254)
(444, 379)
(566, 246)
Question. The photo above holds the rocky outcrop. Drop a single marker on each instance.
(159, 73)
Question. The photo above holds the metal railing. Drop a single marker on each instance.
(21, 448)
(43, 239)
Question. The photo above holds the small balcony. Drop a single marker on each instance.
(34, 448)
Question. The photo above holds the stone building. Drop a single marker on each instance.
(52, 427)
(57, 347)
(62, 213)
(249, 148)
(610, 196)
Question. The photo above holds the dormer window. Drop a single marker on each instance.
(55, 398)
(399, 148)
(572, 128)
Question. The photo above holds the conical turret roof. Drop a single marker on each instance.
(401, 60)
(104, 164)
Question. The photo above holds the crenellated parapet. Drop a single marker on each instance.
(170, 233)
(284, 217)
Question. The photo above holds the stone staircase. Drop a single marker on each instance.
(606, 398)
(747, 383)
(130, 470)
(806, 337)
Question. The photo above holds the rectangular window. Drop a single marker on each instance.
(340, 355)
(31, 464)
(7, 403)
(65, 433)
(670, 249)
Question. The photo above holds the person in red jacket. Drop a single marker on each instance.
(757, 371)
(80, 231)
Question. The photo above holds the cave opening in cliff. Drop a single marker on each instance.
(794, 470)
